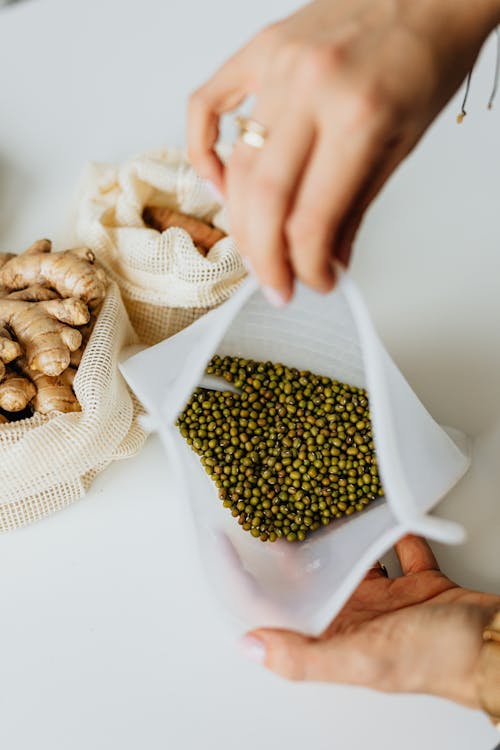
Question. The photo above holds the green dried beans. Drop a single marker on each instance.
(290, 453)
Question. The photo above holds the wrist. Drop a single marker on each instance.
(450, 653)
(472, 20)
(488, 670)
(485, 14)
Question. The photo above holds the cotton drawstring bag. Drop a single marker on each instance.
(166, 283)
(302, 585)
(48, 462)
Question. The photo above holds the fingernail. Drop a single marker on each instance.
(215, 191)
(252, 648)
(248, 264)
(275, 298)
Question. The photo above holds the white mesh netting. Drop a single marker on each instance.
(163, 282)
(166, 283)
(46, 463)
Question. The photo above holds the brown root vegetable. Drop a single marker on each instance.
(72, 273)
(52, 394)
(204, 235)
(39, 246)
(45, 324)
(86, 331)
(75, 357)
(44, 330)
(9, 349)
(4, 257)
(16, 391)
(34, 293)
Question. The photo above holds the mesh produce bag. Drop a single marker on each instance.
(166, 283)
(47, 462)
(302, 585)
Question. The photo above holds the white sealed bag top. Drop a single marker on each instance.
(302, 585)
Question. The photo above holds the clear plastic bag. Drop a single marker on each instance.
(302, 585)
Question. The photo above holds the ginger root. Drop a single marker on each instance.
(52, 394)
(72, 273)
(16, 391)
(4, 257)
(86, 331)
(49, 304)
(43, 329)
(204, 235)
(9, 350)
(34, 293)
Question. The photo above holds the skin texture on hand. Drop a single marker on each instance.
(417, 633)
(346, 88)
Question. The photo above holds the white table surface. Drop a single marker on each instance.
(108, 636)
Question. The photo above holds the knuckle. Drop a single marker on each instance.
(319, 62)
(287, 54)
(269, 35)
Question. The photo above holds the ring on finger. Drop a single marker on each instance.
(251, 131)
(378, 566)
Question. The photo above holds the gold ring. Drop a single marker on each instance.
(251, 132)
(378, 566)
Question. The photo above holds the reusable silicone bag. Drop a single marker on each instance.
(302, 585)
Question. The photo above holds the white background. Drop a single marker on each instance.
(108, 637)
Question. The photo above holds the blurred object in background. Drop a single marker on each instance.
(3, 3)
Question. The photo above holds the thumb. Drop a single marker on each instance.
(301, 658)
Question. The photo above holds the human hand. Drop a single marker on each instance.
(417, 633)
(345, 88)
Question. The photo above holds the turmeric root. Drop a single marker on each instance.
(203, 234)
(43, 329)
(16, 391)
(72, 273)
(52, 394)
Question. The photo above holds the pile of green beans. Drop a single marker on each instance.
(290, 453)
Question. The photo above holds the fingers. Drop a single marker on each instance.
(351, 223)
(223, 92)
(415, 555)
(342, 659)
(261, 187)
(288, 654)
(340, 165)
(226, 90)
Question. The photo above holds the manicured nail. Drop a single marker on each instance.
(252, 648)
(215, 191)
(274, 297)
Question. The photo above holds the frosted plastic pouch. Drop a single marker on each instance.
(302, 585)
